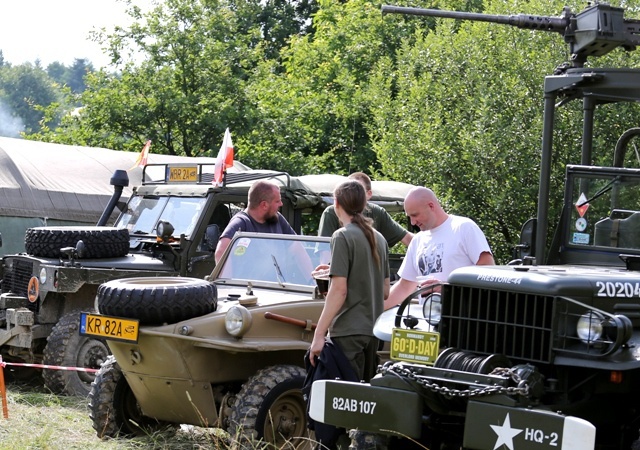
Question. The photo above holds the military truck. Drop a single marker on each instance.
(541, 353)
(168, 227)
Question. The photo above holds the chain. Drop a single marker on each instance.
(521, 389)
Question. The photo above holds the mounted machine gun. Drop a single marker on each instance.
(596, 31)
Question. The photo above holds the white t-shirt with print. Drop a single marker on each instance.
(458, 242)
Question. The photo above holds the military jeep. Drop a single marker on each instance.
(227, 352)
(168, 227)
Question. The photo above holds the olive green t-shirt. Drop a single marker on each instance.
(392, 231)
(351, 258)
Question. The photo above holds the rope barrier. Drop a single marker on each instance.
(45, 366)
(3, 389)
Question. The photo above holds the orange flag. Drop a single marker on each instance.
(143, 156)
(224, 159)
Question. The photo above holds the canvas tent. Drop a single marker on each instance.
(44, 184)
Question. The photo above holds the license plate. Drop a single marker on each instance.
(414, 346)
(182, 174)
(108, 327)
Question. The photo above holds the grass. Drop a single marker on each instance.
(41, 420)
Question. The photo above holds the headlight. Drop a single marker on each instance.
(43, 275)
(590, 327)
(432, 308)
(237, 321)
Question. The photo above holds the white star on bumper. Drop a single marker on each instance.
(505, 434)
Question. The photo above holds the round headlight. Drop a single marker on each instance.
(43, 275)
(237, 321)
(590, 327)
(432, 308)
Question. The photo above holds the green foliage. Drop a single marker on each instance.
(313, 105)
(24, 87)
(32, 99)
(188, 87)
(460, 110)
(72, 76)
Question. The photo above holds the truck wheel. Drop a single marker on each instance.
(65, 347)
(270, 407)
(114, 409)
(362, 440)
(157, 300)
(99, 242)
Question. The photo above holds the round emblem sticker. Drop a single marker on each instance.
(581, 224)
(33, 289)
(239, 251)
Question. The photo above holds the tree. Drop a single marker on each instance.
(186, 86)
(460, 110)
(24, 88)
(281, 19)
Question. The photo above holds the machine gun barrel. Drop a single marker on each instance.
(545, 23)
(595, 31)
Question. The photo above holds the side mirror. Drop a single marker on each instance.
(527, 243)
(211, 237)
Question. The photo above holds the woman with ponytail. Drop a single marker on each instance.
(359, 284)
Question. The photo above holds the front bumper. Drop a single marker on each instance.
(487, 425)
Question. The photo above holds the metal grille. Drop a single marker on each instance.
(17, 278)
(485, 321)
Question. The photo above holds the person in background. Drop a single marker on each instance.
(359, 283)
(444, 243)
(392, 231)
(261, 216)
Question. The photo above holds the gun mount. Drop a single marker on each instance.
(595, 31)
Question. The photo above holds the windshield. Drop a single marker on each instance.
(144, 213)
(606, 210)
(271, 259)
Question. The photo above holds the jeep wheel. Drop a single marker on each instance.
(157, 300)
(114, 409)
(270, 408)
(99, 242)
(65, 347)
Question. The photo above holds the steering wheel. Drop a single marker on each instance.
(410, 321)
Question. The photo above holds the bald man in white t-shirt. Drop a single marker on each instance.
(444, 243)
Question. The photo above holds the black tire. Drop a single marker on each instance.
(362, 440)
(114, 410)
(270, 408)
(157, 300)
(66, 347)
(99, 242)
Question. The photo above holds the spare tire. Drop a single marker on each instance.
(157, 300)
(99, 242)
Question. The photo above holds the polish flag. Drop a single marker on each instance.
(143, 156)
(224, 159)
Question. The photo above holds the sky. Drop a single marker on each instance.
(58, 30)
